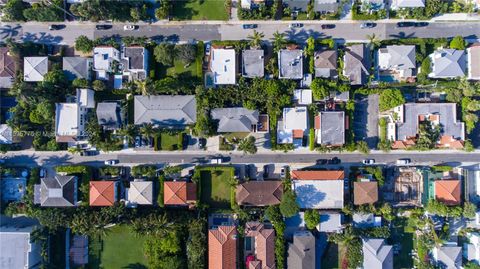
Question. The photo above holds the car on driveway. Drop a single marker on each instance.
(249, 26)
(295, 25)
(130, 27)
(207, 49)
(103, 26)
(405, 24)
(266, 171)
(53, 27)
(368, 161)
(111, 162)
(328, 26)
(367, 25)
(283, 171)
(138, 141)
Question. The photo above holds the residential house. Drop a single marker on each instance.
(473, 59)
(302, 252)
(302, 97)
(175, 111)
(6, 134)
(398, 4)
(471, 248)
(223, 66)
(366, 220)
(357, 64)
(253, 63)
(57, 191)
(222, 247)
(108, 115)
(448, 257)
(365, 192)
(290, 62)
(396, 63)
(259, 249)
(135, 62)
(78, 251)
(71, 118)
(330, 223)
(35, 68)
(250, 4)
(293, 126)
(318, 189)
(330, 128)
(235, 119)
(8, 69)
(259, 193)
(408, 187)
(448, 63)
(179, 193)
(443, 114)
(448, 191)
(140, 193)
(106, 60)
(297, 5)
(77, 67)
(103, 193)
(377, 254)
(18, 246)
(325, 6)
(472, 181)
(326, 64)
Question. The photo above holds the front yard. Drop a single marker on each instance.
(199, 10)
(215, 185)
(169, 141)
(179, 69)
(119, 248)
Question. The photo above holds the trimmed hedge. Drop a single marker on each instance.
(161, 180)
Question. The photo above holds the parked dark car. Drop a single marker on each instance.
(421, 24)
(103, 26)
(249, 26)
(321, 161)
(53, 27)
(368, 25)
(296, 25)
(266, 171)
(328, 26)
(334, 160)
(405, 24)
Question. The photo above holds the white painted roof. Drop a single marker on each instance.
(66, 123)
(35, 68)
(295, 118)
(223, 66)
(6, 134)
(319, 194)
(85, 98)
(303, 97)
(103, 56)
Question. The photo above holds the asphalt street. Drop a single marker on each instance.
(174, 32)
(54, 159)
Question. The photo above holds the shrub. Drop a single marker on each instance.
(84, 44)
(390, 98)
(458, 43)
(311, 139)
(161, 180)
(288, 205)
(312, 218)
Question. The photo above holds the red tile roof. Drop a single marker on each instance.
(448, 191)
(179, 193)
(447, 141)
(318, 120)
(318, 175)
(7, 64)
(259, 193)
(102, 193)
(222, 247)
(297, 133)
(365, 192)
(264, 244)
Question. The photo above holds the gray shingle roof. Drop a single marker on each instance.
(165, 110)
(401, 57)
(327, 6)
(448, 63)
(330, 222)
(376, 254)
(290, 64)
(58, 191)
(357, 64)
(408, 3)
(332, 128)
(253, 63)
(235, 119)
(297, 4)
(301, 253)
(35, 68)
(326, 63)
(449, 257)
(76, 67)
(141, 192)
(448, 119)
(108, 115)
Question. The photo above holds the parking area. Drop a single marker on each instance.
(366, 120)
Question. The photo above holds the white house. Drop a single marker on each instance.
(104, 58)
(223, 66)
(292, 127)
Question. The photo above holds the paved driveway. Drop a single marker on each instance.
(366, 120)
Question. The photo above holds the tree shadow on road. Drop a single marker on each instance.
(8, 31)
(57, 160)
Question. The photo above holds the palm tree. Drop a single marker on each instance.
(147, 130)
(278, 41)
(145, 87)
(153, 224)
(256, 38)
(129, 132)
(373, 41)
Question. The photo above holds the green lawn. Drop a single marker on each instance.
(199, 10)
(400, 235)
(179, 69)
(169, 141)
(122, 249)
(215, 186)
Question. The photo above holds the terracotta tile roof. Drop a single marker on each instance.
(259, 193)
(7, 64)
(102, 193)
(365, 192)
(179, 193)
(318, 175)
(264, 244)
(448, 191)
(317, 122)
(297, 133)
(447, 141)
(222, 247)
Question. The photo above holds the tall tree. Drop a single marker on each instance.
(256, 38)
(278, 41)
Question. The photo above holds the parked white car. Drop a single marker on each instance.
(111, 162)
